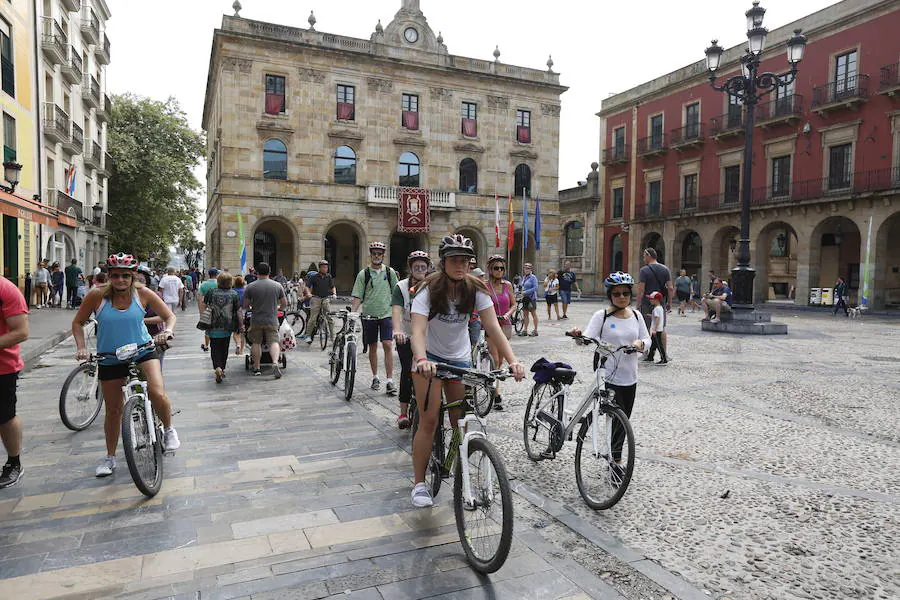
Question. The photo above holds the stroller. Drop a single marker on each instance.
(265, 357)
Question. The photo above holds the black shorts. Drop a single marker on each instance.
(528, 303)
(551, 298)
(120, 371)
(8, 385)
(683, 296)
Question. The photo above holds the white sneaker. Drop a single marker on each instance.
(421, 496)
(171, 441)
(106, 467)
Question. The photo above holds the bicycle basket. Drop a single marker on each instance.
(545, 371)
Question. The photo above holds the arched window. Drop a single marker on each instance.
(274, 160)
(408, 170)
(522, 181)
(615, 255)
(345, 165)
(574, 238)
(468, 176)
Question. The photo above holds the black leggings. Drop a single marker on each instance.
(406, 383)
(218, 351)
(625, 399)
(657, 345)
(71, 292)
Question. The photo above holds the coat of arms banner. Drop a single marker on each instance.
(412, 204)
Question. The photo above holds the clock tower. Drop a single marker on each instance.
(410, 29)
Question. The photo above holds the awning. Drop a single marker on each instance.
(25, 208)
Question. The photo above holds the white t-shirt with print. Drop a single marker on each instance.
(448, 335)
(620, 331)
(658, 320)
(170, 284)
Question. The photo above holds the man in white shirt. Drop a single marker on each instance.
(172, 288)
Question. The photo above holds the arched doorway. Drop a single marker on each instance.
(616, 260)
(60, 248)
(885, 256)
(654, 240)
(401, 245)
(342, 251)
(691, 252)
(515, 256)
(723, 253)
(273, 243)
(776, 258)
(834, 252)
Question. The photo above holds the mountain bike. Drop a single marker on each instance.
(343, 351)
(482, 398)
(81, 397)
(604, 448)
(321, 326)
(518, 316)
(482, 498)
(142, 429)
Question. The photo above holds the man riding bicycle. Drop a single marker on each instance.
(321, 286)
(120, 307)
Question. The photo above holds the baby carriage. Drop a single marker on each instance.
(265, 357)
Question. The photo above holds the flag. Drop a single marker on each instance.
(524, 218)
(537, 223)
(497, 220)
(70, 181)
(511, 229)
(867, 271)
(243, 245)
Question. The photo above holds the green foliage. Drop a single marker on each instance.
(152, 189)
(191, 248)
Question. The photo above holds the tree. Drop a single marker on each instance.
(152, 187)
(191, 249)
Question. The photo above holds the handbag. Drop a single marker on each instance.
(205, 319)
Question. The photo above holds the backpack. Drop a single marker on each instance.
(390, 275)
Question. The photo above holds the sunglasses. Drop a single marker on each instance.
(420, 268)
(498, 268)
(621, 294)
(377, 253)
(120, 275)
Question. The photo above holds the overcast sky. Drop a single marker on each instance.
(161, 48)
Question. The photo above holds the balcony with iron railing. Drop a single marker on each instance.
(71, 5)
(101, 50)
(890, 80)
(842, 93)
(93, 155)
(55, 123)
(54, 41)
(75, 143)
(90, 91)
(65, 203)
(728, 125)
(386, 195)
(686, 137)
(72, 69)
(779, 111)
(652, 145)
(615, 155)
(90, 25)
(102, 112)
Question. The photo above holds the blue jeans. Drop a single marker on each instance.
(565, 296)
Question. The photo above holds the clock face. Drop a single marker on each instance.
(411, 35)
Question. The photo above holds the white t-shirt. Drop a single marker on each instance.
(658, 320)
(448, 335)
(620, 331)
(551, 286)
(170, 284)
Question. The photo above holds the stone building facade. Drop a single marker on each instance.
(826, 155)
(310, 134)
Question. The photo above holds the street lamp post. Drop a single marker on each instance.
(749, 87)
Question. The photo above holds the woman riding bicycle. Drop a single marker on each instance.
(440, 333)
(120, 308)
(401, 305)
(504, 298)
(620, 325)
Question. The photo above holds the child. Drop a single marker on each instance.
(657, 327)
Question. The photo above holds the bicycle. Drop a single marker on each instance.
(297, 320)
(142, 429)
(322, 325)
(518, 318)
(343, 351)
(482, 398)
(598, 416)
(477, 521)
(80, 408)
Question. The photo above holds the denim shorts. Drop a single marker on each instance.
(462, 364)
(565, 296)
(374, 329)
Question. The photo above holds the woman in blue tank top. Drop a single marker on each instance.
(119, 307)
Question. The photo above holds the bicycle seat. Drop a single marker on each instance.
(564, 376)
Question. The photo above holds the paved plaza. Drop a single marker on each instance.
(767, 468)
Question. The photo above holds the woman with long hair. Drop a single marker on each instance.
(440, 317)
(401, 306)
(226, 321)
(504, 298)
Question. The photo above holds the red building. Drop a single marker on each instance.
(826, 163)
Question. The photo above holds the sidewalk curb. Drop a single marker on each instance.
(33, 354)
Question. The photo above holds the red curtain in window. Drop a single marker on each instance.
(523, 134)
(411, 119)
(470, 127)
(345, 111)
(274, 102)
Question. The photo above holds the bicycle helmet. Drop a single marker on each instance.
(323, 262)
(456, 245)
(618, 278)
(495, 258)
(377, 246)
(121, 261)
(528, 266)
(418, 255)
(146, 272)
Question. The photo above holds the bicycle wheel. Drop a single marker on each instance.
(145, 457)
(486, 525)
(433, 475)
(349, 371)
(483, 395)
(297, 321)
(323, 333)
(413, 422)
(537, 433)
(81, 397)
(602, 476)
(336, 362)
(518, 321)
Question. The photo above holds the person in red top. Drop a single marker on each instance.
(13, 331)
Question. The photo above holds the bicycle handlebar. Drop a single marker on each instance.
(443, 369)
(601, 345)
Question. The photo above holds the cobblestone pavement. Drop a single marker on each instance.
(281, 490)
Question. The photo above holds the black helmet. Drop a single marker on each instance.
(456, 245)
